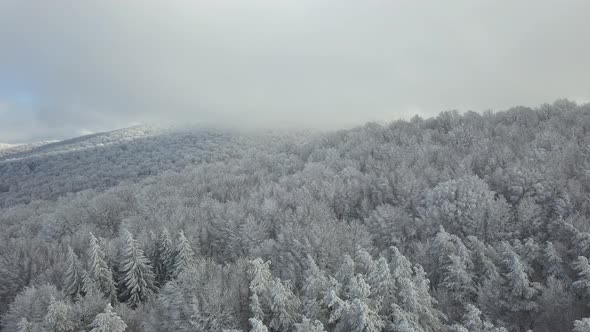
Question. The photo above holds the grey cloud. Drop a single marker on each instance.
(97, 65)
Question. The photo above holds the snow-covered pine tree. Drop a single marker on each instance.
(471, 318)
(25, 326)
(583, 280)
(184, 256)
(164, 264)
(283, 305)
(457, 287)
(151, 252)
(518, 291)
(308, 326)
(457, 279)
(108, 321)
(98, 270)
(552, 261)
(257, 325)
(137, 278)
(443, 246)
(380, 280)
(260, 280)
(361, 318)
(472, 322)
(582, 325)
(364, 263)
(316, 284)
(73, 276)
(414, 305)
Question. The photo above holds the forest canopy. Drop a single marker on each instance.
(460, 222)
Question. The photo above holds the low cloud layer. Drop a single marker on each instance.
(71, 67)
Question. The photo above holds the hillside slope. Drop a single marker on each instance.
(100, 161)
(473, 222)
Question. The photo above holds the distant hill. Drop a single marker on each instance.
(99, 161)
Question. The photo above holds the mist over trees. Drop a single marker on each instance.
(462, 222)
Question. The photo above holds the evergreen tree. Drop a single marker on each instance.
(25, 326)
(164, 260)
(73, 276)
(518, 291)
(471, 318)
(582, 325)
(283, 305)
(184, 256)
(380, 280)
(260, 279)
(98, 270)
(414, 306)
(483, 258)
(556, 304)
(457, 287)
(361, 318)
(87, 307)
(472, 322)
(308, 326)
(358, 288)
(583, 281)
(444, 246)
(108, 321)
(137, 281)
(553, 263)
(458, 280)
(316, 285)
(257, 326)
(364, 263)
(346, 271)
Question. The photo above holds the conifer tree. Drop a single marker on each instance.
(283, 306)
(416, 305)
(583, 281)
(364, 263)
(316, 284)
(73, 276)
(308, 326)
(472, 322)
(184, 256)
(471, 318)
(444, 246)
(260, 279)
(137, 278)
(380, 280)
(164, 262)
(361, 318)
(457, 279)
(24, 325)
(582, 325)
(98, 270)
(108, 321)
(518, 292)
(456, 288)
(257, 325)
(553, 263)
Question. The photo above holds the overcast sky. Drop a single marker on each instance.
(74, 67)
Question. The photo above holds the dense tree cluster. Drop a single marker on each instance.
(473, 222)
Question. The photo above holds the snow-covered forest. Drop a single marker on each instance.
(462, 223)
